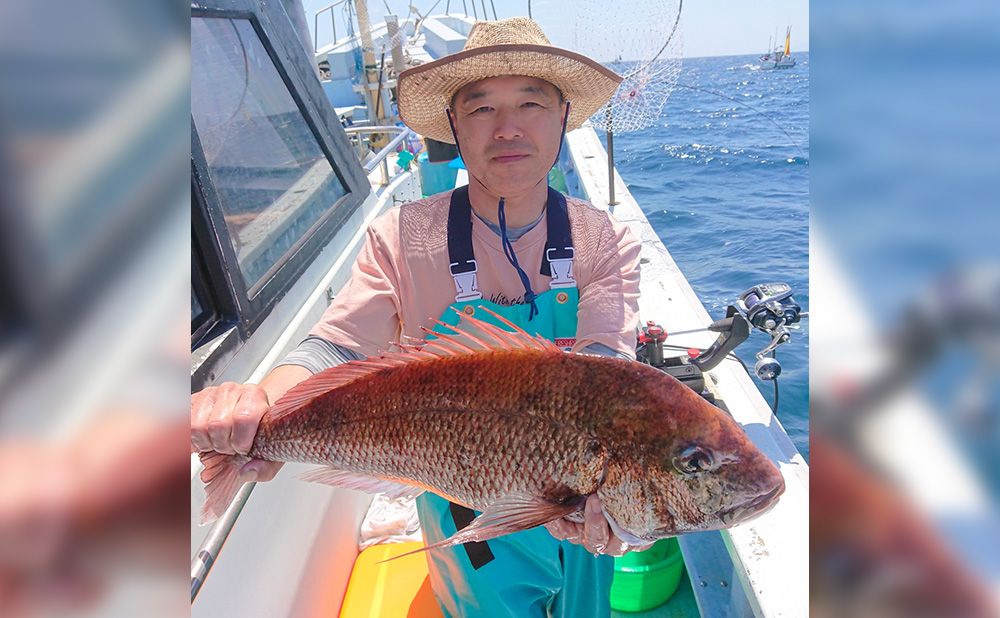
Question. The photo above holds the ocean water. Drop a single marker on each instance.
(723, 177)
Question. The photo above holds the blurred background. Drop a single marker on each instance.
(905, 291)
(94, 277)
(904, 296)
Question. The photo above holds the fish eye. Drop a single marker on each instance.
(694, 459)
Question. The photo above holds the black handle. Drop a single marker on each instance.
(737, 332)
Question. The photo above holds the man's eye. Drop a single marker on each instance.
(531, 104)
(481, 109)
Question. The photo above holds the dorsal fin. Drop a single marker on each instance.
(470, 336)
(513, 339)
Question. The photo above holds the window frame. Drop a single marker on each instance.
(221, 309)
(238, 302)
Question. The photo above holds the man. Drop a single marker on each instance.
(555, 266)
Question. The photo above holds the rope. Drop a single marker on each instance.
(508, 250)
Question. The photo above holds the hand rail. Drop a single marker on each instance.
(380, 156)
(333, 22)
(207, 554)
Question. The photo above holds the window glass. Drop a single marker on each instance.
(273, 180)
(196, 308)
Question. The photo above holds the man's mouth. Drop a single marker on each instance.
(509, 158)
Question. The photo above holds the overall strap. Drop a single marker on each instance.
(557, 260)
(479, 552)
(462, 260)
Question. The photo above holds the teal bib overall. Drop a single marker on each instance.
(529, 573)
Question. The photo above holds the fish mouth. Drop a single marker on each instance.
(757, 506)
(625, 535)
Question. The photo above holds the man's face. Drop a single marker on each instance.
(508, 129)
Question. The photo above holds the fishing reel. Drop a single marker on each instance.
(767, 307)
(770, 308)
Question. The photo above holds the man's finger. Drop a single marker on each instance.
(201, 411)
(617, 547)
(259, 470)
(251, 408)
(220, 424)
(564, 530)
(220, 431)
(596, 532)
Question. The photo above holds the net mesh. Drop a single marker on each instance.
(639, 39)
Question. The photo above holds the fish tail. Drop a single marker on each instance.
(222, 480)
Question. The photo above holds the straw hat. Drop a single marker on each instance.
(515, 46)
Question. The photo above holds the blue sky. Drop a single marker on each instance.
(709, 27)
(730, 27)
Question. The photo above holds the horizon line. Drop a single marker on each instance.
(794, 51)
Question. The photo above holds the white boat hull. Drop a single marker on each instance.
(784, 63)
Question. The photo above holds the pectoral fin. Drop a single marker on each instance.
(511, 513)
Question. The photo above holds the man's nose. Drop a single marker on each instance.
(507, 126)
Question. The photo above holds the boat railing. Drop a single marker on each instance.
(208, 553)
(333, 22)
(361, 138)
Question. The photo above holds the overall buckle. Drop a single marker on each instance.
(561, 266)
(466, 281)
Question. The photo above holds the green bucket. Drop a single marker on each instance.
(647, 579)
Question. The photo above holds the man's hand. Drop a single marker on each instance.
(224, 419)
(594, 533)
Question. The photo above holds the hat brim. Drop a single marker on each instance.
(425, 91)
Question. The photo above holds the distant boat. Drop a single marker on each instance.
(779, 58)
